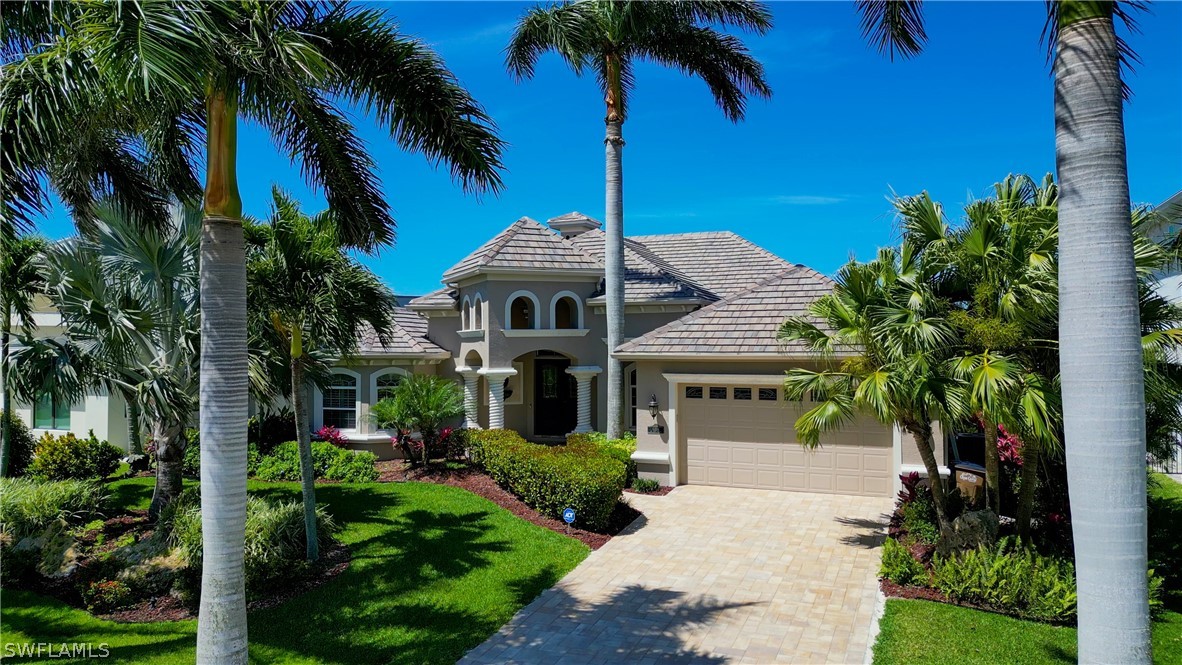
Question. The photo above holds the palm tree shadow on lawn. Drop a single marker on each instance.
(423, 586)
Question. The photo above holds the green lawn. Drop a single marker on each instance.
(435, 571)
(917, 632)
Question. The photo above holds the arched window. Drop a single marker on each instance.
(521, 311)
(478, 313)
(566, 311)
(339, 401)
(466, 314)
(383, 382)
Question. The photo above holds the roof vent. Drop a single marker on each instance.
(572, 224)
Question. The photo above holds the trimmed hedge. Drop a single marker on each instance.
(20, 445)
(617, 449)
(552, 478)
(68, 457)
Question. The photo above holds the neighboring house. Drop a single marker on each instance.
(520, 324)
(1169, 286)
(105, 415)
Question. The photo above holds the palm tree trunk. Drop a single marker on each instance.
(927, 453)
(5, 393)
(1026, 498)
(992, 466)
(307, 472)
(221, 624)
(1100, 341)
(614, 275)
(134, 442)
(170, 457)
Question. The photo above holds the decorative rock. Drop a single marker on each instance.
(970, 531)
(59, 550)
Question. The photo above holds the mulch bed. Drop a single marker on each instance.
(479, 483)
(170, 608)
(892, 590)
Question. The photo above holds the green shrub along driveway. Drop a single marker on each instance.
(435, 571)
(918, 632)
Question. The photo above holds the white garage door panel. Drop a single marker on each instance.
(752, 443)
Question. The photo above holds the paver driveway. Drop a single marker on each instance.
(713, 575)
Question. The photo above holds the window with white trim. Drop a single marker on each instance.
(339, 406)
(385, 384)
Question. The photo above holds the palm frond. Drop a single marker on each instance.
(893, 26)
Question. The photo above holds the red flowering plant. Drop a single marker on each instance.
(332, 435)
(1009, 447)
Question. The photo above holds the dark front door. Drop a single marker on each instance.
(555, 398)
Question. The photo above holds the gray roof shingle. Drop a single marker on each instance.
(408, 338)
(525, 245)
(743, 324)
(444, 298)
(722, 262)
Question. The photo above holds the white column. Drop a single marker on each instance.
(583, 375)
(471, 396)
(496, 394)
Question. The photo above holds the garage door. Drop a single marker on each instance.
(742, 436)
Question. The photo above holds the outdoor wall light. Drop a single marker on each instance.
(653, 407)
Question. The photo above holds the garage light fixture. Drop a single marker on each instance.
(653, 407)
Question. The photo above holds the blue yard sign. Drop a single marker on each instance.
(568, 515)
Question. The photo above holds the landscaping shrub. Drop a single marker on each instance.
(29, 506)
(271, 429)
(620, 449)
(106, 595)
(274, 549)
(20, 445)
(328, 462)
(191, 466)
(1011, 579)
(330, 434)
(67, 457)
(645, 485)
(552, 478)
(899, 566)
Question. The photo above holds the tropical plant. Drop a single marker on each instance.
(421, 403)
(1104, 427)
(128, 301)
(304, 292)
(67, 457)
(114, 97)
(21, 279)
(886, 340)
(609, 38)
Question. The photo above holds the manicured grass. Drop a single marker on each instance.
(435, 571)
(917, 632)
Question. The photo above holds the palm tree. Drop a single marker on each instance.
(1104, 419)
(998, 270)
(897, 341)
(21, 280)
(421, 403)
(609, 37)
(107, 97)
(128, 301)
(305, 292)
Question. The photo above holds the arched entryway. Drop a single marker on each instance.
(550, 395)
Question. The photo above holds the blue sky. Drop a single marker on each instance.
(807, 175)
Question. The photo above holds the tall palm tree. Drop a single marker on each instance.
(885, 316)
(128, 301)
(1104, 420)
(21, 280)
(101, 97)
(609, 37)
(304, 292)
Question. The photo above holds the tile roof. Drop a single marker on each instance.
(722, 262)
(408, 338)
(525, 245)
(437, 299)
(743, 324)
(646, 275)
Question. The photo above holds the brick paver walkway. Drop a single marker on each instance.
(713, 575)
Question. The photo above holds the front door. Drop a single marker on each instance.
(555, 398)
